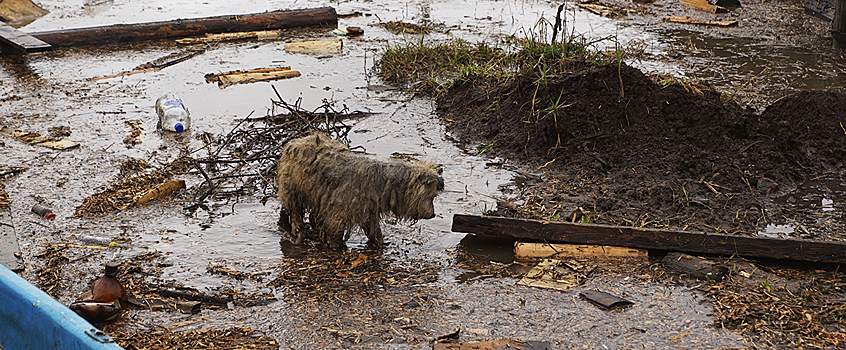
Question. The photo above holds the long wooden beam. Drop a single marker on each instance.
(645, 238)
(21, 41)
(125, 33)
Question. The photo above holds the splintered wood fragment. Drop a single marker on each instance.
(536, 251)
(704, 5)
(21, 41)
(501, 344)
(170, 59)
(650, 238)
(34, 138)
(688, 20)
(221, 37)
(251, 76)
(693, 266)
(322, 46)
(160, 190)
(556, 274)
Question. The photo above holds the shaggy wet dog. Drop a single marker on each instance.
(342, 190)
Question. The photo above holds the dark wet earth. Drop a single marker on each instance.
(431, 281)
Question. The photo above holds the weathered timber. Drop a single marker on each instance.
(126, 33)
(694, 266)
(645, 238)
(21, 41)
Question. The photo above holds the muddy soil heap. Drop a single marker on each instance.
(633, 152)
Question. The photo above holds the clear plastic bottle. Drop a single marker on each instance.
(173, 116)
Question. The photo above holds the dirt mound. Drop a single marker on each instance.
(633, 152)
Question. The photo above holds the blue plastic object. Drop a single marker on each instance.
(31, 319)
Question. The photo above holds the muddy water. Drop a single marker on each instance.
(50, 89)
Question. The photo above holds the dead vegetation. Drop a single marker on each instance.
(216, 339)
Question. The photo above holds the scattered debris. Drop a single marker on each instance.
(163, 338)
(135, 127)
(557, 274)
(605, 10)
(131, 191)
(688, 20)
(399, 27)
(822, 9)
(320, 46)
(34, 138)
(251, 76)
(535, 251)
(696, 267)
(500, 344)
(222, 37)
(605, 300)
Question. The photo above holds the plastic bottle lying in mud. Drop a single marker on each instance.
(173, 116)
(43, 212)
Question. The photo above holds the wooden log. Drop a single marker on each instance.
(646, 238)
(126, 33)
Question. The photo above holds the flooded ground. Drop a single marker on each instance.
(51, 89)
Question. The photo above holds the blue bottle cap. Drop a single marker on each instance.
(178, 127)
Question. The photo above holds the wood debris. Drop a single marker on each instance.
(222, 37)
(322, 46)
(557, 274)
(210, 339)
(35, 138)
(689, 20)
(399, 27)
(251, 76)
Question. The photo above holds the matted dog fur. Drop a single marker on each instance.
(342, 190)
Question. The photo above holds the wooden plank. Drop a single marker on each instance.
(838, 25)
(534, 251)
(689, 20)
(646, 238)
(21, 41)
(126, 33)
(9, 250)
(19, 13)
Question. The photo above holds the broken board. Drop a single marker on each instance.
(34, 138)
(251, 76)
(160, 190)
(556, 274)
(536, 251)
(688, 20)
(21, 41)
(215, 38)
(323, 46)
